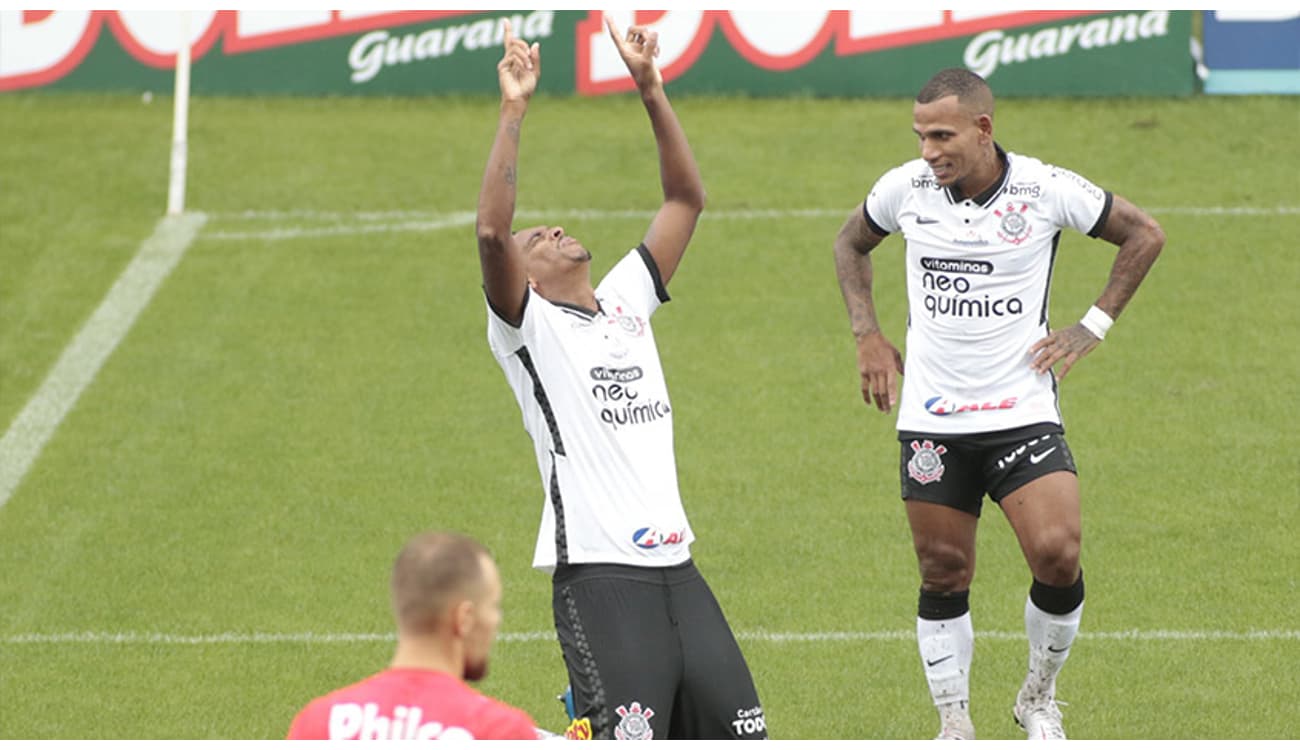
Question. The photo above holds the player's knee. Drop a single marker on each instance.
(1054, 558)
(944, 567)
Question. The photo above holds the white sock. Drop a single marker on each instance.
(946, 648)
(1050, 638)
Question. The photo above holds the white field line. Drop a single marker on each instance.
(371, 222)
(376, 222)
(762, 636)
(296, 232)
(595, 213)
(92, 345)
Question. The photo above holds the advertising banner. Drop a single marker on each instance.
(760, 53)
(1252, 52)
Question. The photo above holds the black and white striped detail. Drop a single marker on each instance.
(557, 443)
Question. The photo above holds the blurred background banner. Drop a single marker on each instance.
(1252, 52)
(762, 53)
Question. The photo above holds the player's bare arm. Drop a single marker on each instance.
(879, 362)
(683, 189)
(1140, 240)
(505, 276)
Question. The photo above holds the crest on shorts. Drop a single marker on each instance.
(926, 464)
(634, 722)
(1015, 227)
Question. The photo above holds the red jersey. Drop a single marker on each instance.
(410, 704)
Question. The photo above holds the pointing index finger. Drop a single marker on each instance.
(613, 29)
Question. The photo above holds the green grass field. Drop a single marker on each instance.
(203, 544)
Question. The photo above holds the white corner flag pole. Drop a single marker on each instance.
(180, 121)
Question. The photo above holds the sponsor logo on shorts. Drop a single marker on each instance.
(749, 721)
(650, 537)
(943, 407)
(926, 464)
(580, 729)
(1036, 457)
(1014, 455)
(634, 722)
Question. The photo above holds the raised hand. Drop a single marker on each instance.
(519, 69)
(638, 48)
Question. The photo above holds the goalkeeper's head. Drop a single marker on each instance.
(446, 595)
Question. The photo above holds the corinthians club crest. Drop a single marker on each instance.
(926, 464)
(1014, 227)
(634, 722)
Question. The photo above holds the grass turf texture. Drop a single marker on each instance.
(287, 411)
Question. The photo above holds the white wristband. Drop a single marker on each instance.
(1097, 321)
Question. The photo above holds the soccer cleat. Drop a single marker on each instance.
(1040, 719)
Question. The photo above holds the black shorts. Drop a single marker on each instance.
(650, 655)
(958, 470)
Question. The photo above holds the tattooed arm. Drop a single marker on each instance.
(879, 362)
(1140, 240)
(505, 278)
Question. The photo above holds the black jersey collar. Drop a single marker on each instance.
(986, 197)
(579, 310)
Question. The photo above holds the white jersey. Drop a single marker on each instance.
(593, 397)
(978, 276)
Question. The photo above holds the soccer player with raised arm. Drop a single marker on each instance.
(647, 648)
(979, 412)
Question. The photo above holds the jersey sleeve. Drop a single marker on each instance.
(1078, 203)
(505, 337)
(884, 201)
(636, 279)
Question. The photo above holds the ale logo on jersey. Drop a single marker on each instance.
(650, 537)
(926, 464)
(943, 407)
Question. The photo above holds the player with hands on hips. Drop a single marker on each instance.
(978, 412)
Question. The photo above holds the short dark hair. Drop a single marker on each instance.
(971, 90)
(432, 572)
